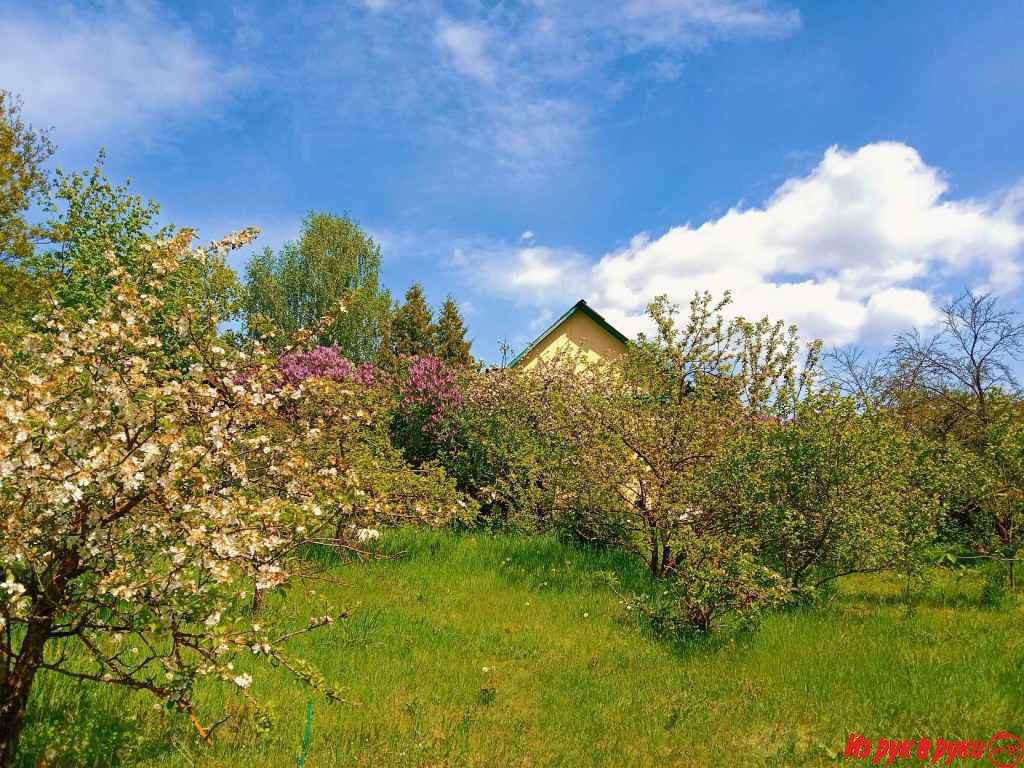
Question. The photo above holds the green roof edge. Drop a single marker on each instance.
(579, 306)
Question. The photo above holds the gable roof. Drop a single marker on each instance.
(579, 306)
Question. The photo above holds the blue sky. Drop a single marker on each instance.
(846, 166)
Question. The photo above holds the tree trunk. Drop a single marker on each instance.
(16, 685)
(340, 533)
(652, 561)
(257, 599)
(15, 688)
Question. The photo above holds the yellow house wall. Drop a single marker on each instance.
(578, 333)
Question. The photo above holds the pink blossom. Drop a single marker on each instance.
(431, 386)
(326, 363)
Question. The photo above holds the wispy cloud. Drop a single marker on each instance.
(522, 82)
(693, 23)
(108, 69)
(534, 275)
(466, 45)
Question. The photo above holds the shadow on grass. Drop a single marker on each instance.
(87, 725)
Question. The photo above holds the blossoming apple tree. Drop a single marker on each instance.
(147, 488)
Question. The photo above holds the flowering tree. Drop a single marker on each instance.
(634, 473)
(647, 429)
(389, 488)
(146, 489)
(431, 388)
(501, 449)
(326, 363)
(639, 439)
(429, 398)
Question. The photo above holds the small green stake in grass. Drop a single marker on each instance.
(307, 736)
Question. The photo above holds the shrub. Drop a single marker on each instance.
(501, 450)
(428, 396)
(833, 490)
(326, 363)
(715, 579)
(994, 587)
(429, 392)
(1000, 509)
(483, 428)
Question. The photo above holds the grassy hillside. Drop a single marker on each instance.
(505, 651)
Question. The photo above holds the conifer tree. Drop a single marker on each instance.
(412, 328)
(450, 342)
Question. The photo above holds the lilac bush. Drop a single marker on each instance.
(326, 363)
(431, 389)
(425, 394)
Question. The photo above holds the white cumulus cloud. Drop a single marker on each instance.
(533, 274)
(869, 242)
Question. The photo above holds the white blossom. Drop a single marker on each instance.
(13, 588)
(243, 681)
(367, 534)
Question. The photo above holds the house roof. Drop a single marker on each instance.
(579, 306)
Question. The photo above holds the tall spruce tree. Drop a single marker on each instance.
(450, 342)
(412, 327)
(333, 264)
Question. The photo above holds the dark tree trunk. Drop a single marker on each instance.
(257, 599)
(339, 535)
(653, 562)
(16, 686)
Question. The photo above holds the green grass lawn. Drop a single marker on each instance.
(509, 651)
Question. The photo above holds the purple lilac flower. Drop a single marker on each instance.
(431, 385)
(325, 363)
